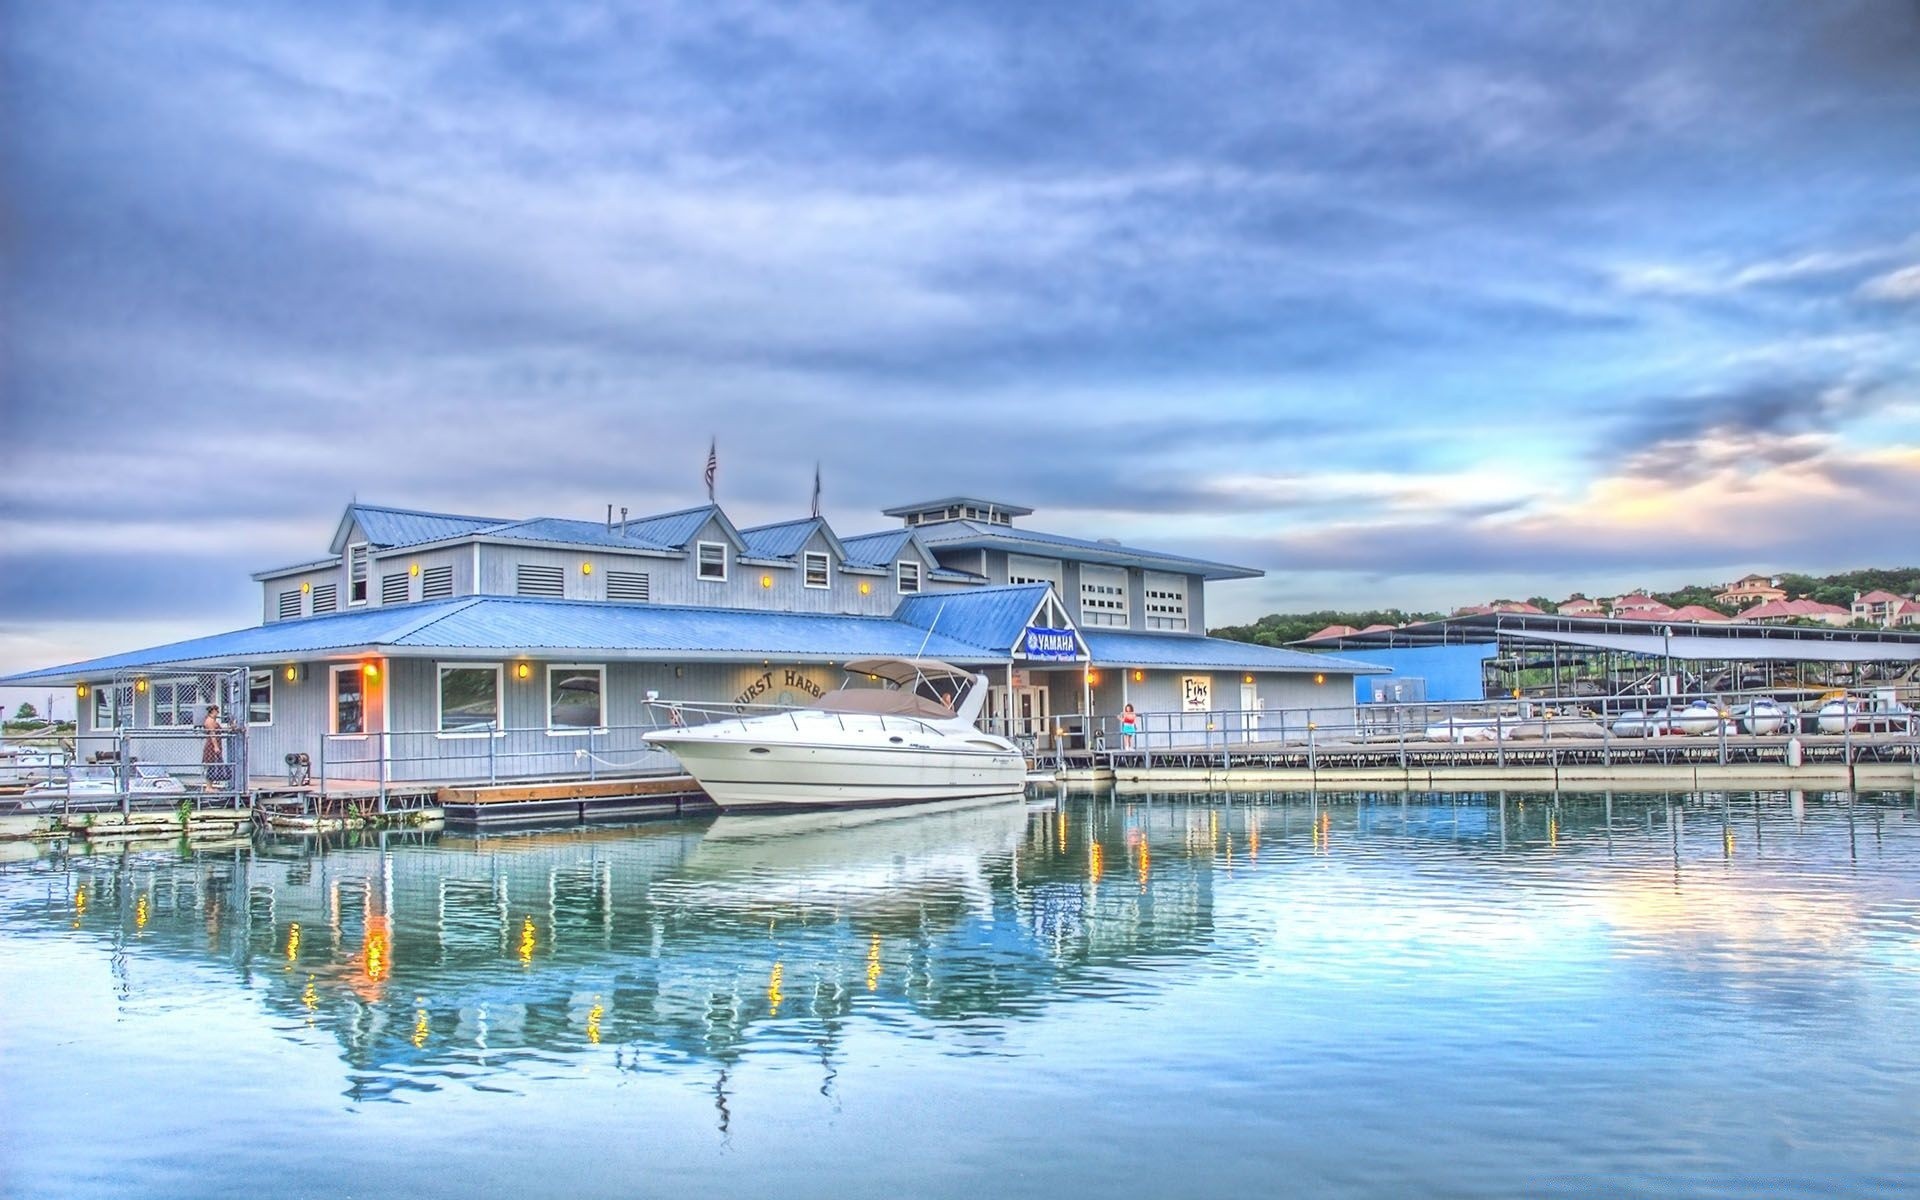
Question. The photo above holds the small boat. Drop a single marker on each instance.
(1849, 714)
(98, 787)
(1698, 717)
(1638, 723)
(909, 741)
(1764, 717)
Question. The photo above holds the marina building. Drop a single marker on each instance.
(440, 646)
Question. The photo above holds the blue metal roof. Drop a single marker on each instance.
(674, 529)
(408, 527)
(351, 630)
(575, 533)
(1180, 650)
(990, 617)
(902, 510)
(877, 549)
(959, 534)
(782, 540)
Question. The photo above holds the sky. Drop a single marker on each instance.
(1405, 304)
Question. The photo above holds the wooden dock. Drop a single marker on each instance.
(572, 800)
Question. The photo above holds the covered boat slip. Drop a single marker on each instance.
(1598, 658)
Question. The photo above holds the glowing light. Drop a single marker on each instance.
(522, 671)
(774, 994)
(1095, 862)
(586, 568)
(1146, 865)
(866, 588)
(140, 913)
(371, 671)
(305, 587)
(140, 685)
(374, 950)
(80, 690)
(766, 581)
(873, 963)
(1319, 678)
(293, 673)
(593, 1020)
(1246, 679)
(1139, 676)
(413, 568)
(527, 941)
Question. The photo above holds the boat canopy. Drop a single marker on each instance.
(905, 671)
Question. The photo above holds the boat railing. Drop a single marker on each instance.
(123, 769)
(673, 714)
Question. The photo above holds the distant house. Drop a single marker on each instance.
(1577, 605)
(1879, 608)
(1331, 631)
(1749, 590)
(1779, 612)
(1698, 613)
(1638, 606)
(1499, 606)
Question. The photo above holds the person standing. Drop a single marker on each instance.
(1129, 726)
(213, 755)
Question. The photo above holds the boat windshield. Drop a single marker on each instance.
(885, 702)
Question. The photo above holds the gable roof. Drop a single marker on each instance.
(676, 529)
(385, 526)
(880, 549)
(993, 617)
(784, 539)
(574, 533)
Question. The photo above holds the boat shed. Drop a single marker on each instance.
(1561, 655)
(430, 646)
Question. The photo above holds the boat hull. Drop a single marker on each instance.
(772, 776)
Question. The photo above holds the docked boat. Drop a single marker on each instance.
(93, 787)
(1697, 718)
(1765, 717)
(1851, 714)
(908, 741)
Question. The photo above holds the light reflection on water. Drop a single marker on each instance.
(1147, 995)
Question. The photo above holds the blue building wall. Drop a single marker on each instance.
(1449, 672)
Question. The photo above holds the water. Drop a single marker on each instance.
(1115, 996)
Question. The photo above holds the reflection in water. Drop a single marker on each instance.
(711, 946)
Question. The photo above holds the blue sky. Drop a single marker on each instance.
(1406, 303)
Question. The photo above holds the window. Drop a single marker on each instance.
(1166, 597)
(713, 560)
(627, 585)
(1034, 570)
(436, 583)
(396, 588)
(349, 700)
(530, 580)
(289, 605)
(175, 703)
(1103, 596)
(357, 574)
(326, 598)
(819, 570)
(906, 577)
(574, 699)
(469, 699)
(112, 706)
(259, 697)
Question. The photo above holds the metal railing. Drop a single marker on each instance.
(123, 770)
(411, 762)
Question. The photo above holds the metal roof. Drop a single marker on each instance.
(575, 533)
(784, 539)
(675, 529)
(991, 617)
(1703, 641)
(907, 510)
(967, 534)
(1184, 650)
(407, 527)
(331, 560)
(877, 549)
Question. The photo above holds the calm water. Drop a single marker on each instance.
(1113, 996)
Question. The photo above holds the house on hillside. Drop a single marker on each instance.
(1879, 608)
(1749, 590)
(1638, 606)
(1577, 605)
(1780, 612)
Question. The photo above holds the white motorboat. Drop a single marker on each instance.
(1641, 723)
(909, 741)
(1765, 716)
(1865, 716)
(98, 786)
(1697, 718)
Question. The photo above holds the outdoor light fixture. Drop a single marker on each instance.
(1246, 679)
(522, 670)
(1319, 678)
(293, 673)
(865, 588)
(413, 568)
(80, 690)
(140, 685)
(766, 581)
(586, 568)
(1139, 676)
(305, 586)
(1093, 676)
(371, 671)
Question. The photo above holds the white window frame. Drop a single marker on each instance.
(599, 726)
(333, 701)
(499, 698)
(107, 696)
(700, 561)
(826, 569)
(366, 553)
(1150, 581)
(900, 587)
(1103, 618)
(176, 718)
(1051, 570)
(272, 688)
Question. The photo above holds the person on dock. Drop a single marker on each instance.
(1129, 726)
(213, 751)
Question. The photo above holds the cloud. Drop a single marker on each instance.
(1901, 285)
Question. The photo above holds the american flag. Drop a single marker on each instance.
(713, 465)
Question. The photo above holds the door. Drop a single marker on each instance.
(1250, 710)
(1022, 713)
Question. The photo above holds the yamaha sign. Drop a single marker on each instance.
(1051, 645)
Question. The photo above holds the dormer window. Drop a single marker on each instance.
(819, 569)
(713, 561)
(907, 577)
